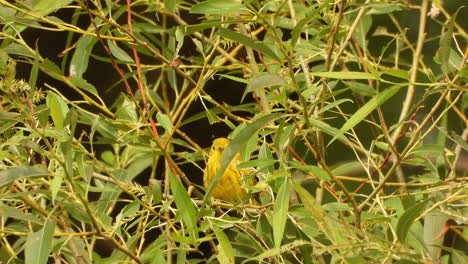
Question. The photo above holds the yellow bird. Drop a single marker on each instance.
(229, 187)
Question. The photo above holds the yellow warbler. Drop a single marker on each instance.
(229, 187)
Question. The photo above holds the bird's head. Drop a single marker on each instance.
(220, 144)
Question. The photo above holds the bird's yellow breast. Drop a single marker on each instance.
(229, 187)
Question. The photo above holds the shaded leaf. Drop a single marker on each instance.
(256, 45)
(265, 80)
(407, 218)
(11, 212)
(226, 253)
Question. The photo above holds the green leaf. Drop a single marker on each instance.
(362, 29)
(55, 185)
(165, 122)
(280, 213)
(80, 58)
(361, 88)
(346, 75)
(434, 224)
(83, 84)
(226, 253)
(156, 191)
(39, 244)
(258, 46)
(12, 174)
(317, 171)
(51, 69)
(234, 78)
(189, 29)
(265, 153)
(184, 205)
(261, 163)
(383, 8)
(337, 207)
(219, 7)
(333, 105)
(58, 109)
(326, 128)
(445, 44)
(233, 148)
(45, 7)
(428, 150)
(105, 128)
(11, 212)
(170, 5)
(366, 109)
(300, 26)
(264, 80)
(18, 49)
(315, 210)
(346, 167)
(407, 218)
(398, 73)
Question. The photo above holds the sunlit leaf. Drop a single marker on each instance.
(280, 213)
(39, 244)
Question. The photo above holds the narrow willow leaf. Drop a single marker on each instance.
(434, 224)
(265, 153)
(39, 244)
(317, 171)
(219, 7)
(337, 207)
(10, 175)
(445, 44)
(236, 144)
(58, 109)
(265, 80)
(333, 105)
(346, 167)
(80, 58)
(361, 88)
(261, 163)
(45, 7)
(156, 191)
(256, 45)
(407, 218)
(398, 73)
(326, 128)
(189, 29)
(83, 84)
(362, 30)
(280, 213)
(226, 252)
(366, 109)
(184, 205)
(118, 52)
(12, 212)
